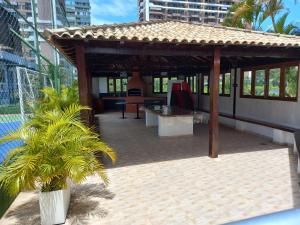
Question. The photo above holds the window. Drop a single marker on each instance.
(260, 77)
(225, 84)
(247, 80)
(156, 84)
(205, 85)
(291, 81)
(192, 81)
(274, 82)
(279, 81)
(160, 84)
(124, 82)
(165, 82)
(220, 84)
(111, 85)
(116, 85)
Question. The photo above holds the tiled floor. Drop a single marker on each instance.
(169, 181)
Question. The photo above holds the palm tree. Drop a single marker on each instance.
(52, 98)
(56, 146)
(281, 26)
(272, 9)
(247, 14)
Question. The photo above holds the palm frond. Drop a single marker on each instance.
(56, 146)
(289, 28)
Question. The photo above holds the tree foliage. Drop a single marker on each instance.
(247, 14)
(57, 146)
(251, 14)
(282, 27)
(271, 9)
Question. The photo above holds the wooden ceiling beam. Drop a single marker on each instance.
(227, 52)
(261, 53)
(151, 52)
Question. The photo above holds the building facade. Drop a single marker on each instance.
(11, 56)
(197, 11)
(50, 14)
(78, 12)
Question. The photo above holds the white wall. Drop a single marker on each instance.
(284, 113)
(225, 102)
(95, 86)
(279, 112)
(102, 85)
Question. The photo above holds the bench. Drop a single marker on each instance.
(297, 147)
(278, 133)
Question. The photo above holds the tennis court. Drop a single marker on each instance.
(8, 123)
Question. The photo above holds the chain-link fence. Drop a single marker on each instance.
(27, 61)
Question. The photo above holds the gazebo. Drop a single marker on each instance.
(170, 46)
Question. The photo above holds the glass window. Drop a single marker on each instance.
(124, 84)
(291, 81)
(160, 84)
(191, 80)
(247, 78)
(156, 85)
(260, 82)
(111, 86)
(221, 84)
(227, 84)
(205, 85)
(224, 84)
(194, 88)
(165, 82)
(274, 82)
(118, 85)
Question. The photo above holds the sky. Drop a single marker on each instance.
(118, 11)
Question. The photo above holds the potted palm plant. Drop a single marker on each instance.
(57, 148)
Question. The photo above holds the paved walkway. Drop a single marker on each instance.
(169, 181)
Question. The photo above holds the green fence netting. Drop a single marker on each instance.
(27, 64)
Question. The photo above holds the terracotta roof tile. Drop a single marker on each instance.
(175, 31)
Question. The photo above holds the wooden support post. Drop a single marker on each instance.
(214, 104)
(84, 85)
(234, 91)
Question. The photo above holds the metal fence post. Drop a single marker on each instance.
(36, 36)
(21, 100)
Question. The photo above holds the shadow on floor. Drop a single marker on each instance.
(85, 203)
(294, 177)
(27, 213)
(137, 144)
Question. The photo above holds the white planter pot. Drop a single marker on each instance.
(54, 206)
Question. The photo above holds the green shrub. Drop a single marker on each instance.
(57, 146)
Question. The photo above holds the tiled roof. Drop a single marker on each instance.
(175, 31)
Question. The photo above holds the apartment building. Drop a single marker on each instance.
(50, 14)
(197, 11)
(78, 12)
(11, 55)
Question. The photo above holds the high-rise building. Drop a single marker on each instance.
(198, 11)
(78, 12)
(10, 55)
(50, 14)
